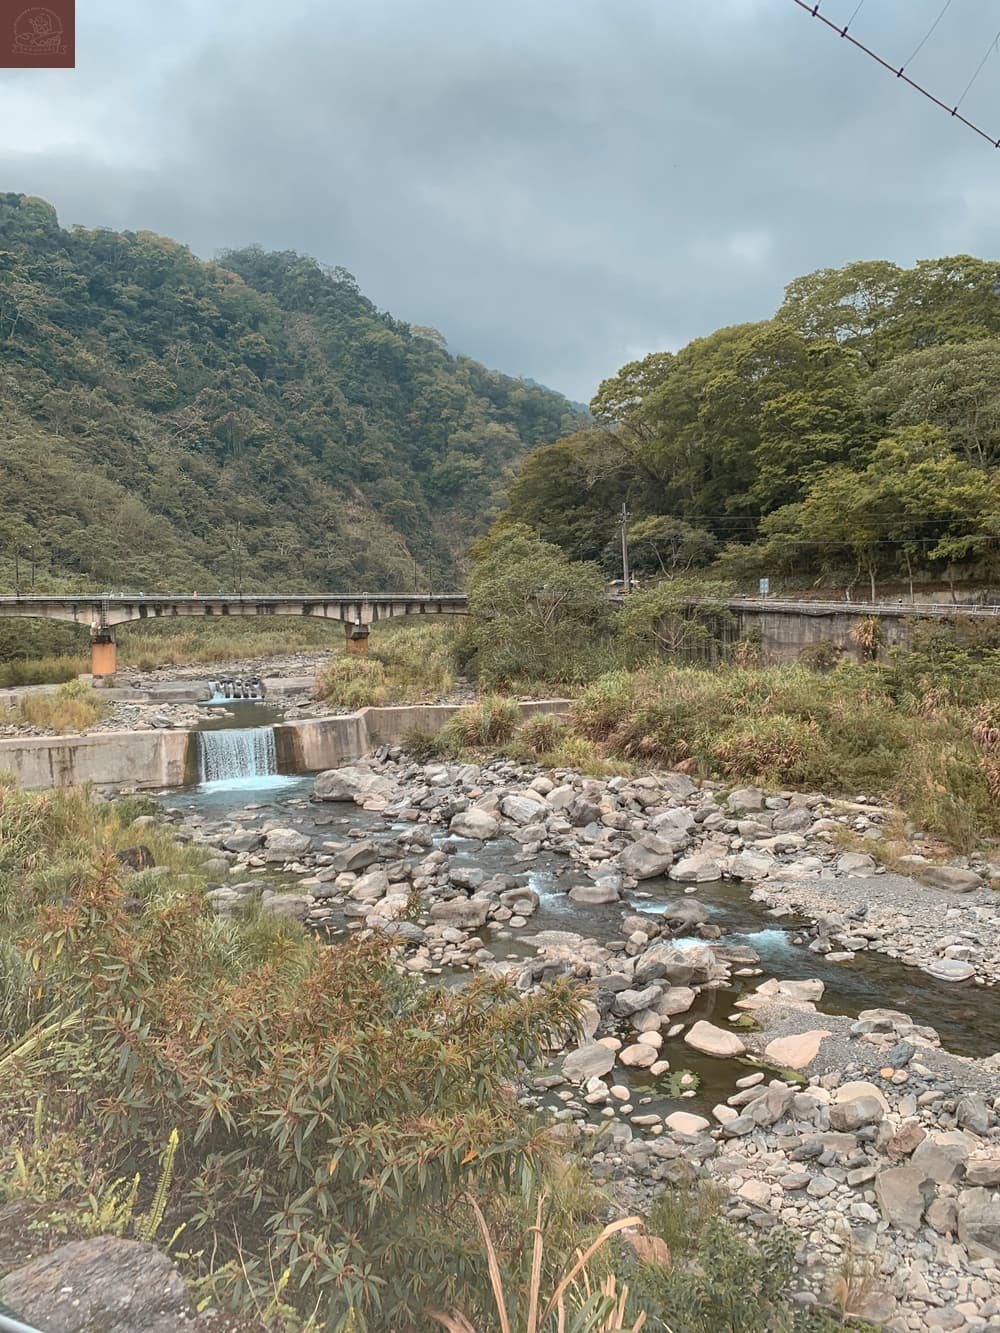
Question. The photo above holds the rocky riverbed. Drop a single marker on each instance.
(812, 1101)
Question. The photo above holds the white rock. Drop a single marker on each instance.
(711, 1040)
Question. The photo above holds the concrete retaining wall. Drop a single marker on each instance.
(118, 758)
(783, 633)
(165, 758)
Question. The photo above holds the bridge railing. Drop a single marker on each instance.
(897, 608)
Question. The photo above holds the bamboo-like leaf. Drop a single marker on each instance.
(610, 1230)
(536, 1267)
(496, 1281)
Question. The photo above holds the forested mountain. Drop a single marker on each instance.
(174, 424)
(856, 435)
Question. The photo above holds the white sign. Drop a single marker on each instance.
(765, 587)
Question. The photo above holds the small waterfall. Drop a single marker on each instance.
(223, 691)
(236, 754)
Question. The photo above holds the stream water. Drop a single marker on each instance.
(966, 1017)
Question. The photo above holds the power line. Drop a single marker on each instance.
(813, 11)
(928, 33)
(979, 69)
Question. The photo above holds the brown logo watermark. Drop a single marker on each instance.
(37, 36)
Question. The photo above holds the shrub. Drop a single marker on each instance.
(719, 1281)
(821, 656)
(353, 682)
(41, 671)
(72, 707)
(490, 722)
(540, 735)
(334, 1114)
(777, 750)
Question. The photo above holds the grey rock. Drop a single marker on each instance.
(106, 1284)
(243, 842)
(746, 798)
(522, 809)
(474, 823)
(698, 868)
(356, 857)
(848, 1116)
(950, 877)
(979, 1223)
(941, 1162)
(282, 844)
(971, 1114)
(902, 1194)
(353, 782)
(295, 905)
(588, 1061)
(696, 965)
(632, 1001)
(648, 857)
(950, 969)
(593, 895)
(465, 913)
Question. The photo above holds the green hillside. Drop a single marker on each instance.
(174, 424)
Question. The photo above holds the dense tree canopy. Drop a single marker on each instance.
(855, 435)
(169, 423)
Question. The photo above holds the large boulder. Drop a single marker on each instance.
(698, 868)
(950, 877)
(950, 969)
(474, 823)
(285, 844)
(465, 913)
(796, 1051)
(979, 1223)
(295, 905)
(116, 1286)
(902, 1194)
(679, 966)
(523, 809)
(355, 856)
(675, 1000)
(646, 858)
(593, 895)
(353, 782)
(710, 1040)
(589, 1061)
(684, 914)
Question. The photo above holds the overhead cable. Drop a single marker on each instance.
(953, 111)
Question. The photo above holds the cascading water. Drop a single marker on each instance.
(237, 755)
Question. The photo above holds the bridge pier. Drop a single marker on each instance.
(357, 639)
(103, 652)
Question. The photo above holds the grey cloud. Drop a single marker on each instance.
(557, 187)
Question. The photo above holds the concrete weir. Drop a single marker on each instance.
(152, 759)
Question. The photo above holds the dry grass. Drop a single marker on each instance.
(72, 707)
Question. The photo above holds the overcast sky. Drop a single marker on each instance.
(558, 186)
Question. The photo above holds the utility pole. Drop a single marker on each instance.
(626, 575)
(17, 571)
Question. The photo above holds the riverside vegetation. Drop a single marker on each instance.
(311, 1134)
(918, 730)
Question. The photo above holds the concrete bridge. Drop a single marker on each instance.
(102, 612)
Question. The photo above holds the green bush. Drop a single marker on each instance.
(334, 1115)
(489, 723)
(718, 1281)
(540, 735)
